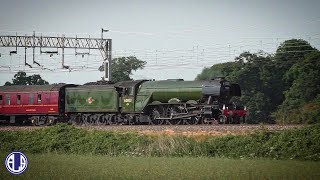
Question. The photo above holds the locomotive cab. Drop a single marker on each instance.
(127, 96)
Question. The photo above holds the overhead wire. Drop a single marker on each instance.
(160, 58)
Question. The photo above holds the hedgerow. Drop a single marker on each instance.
(302, 143)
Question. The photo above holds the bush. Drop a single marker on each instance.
(308, 113)
(303, 143)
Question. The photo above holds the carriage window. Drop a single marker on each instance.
(8, 99)
(30, 98)
(18, 99)
(39, 98)
(0, 99)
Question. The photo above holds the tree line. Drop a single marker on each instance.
(283, 87)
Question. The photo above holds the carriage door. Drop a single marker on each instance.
(127, 100)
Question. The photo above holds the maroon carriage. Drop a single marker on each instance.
(32, 103)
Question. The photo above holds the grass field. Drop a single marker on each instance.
(54, 166)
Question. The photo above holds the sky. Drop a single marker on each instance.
(177, 39)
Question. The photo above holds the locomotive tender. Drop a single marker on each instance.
(129, 102)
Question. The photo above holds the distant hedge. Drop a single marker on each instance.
(302, 143)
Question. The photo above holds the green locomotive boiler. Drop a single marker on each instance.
(150, 102)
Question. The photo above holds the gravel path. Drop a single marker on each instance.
(214, 130)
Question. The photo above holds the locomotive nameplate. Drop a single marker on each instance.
(127, 100)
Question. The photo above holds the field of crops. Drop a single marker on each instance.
(54, 166)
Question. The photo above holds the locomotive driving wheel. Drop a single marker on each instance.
(206, 121)
(171, 112)
(187, 121)
(156, 113)
(196, 119)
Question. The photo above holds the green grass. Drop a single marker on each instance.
(55, 166)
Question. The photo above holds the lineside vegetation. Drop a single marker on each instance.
(302, 143)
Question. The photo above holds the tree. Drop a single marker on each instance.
(281, 86)
(305, 78)
(249, 70)
(216, 70)
(252, 74)
(288, 53)
(21, 78)
(122, 67)
(259, 107)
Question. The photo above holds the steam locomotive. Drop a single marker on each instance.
(170, 102)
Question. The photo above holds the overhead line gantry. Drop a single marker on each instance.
(61, 42)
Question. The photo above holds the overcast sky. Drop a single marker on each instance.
(176, 38)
